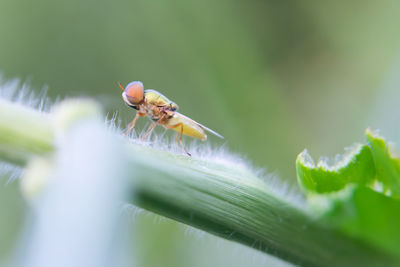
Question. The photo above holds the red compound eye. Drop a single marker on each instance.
(134, 92)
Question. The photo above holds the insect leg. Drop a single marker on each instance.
(131, 125)
(181, 141)
(149, 130)
(180, 137)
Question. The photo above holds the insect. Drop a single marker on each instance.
(161, 111)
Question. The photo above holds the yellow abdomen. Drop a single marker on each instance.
(187, 126)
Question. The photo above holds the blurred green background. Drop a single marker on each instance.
(273, 77)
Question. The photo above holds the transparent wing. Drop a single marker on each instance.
(211, 131)
(189, 121)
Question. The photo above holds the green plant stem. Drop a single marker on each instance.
(222, 199)
(23, 132)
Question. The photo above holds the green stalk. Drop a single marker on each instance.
(221, 198)
(23, 132)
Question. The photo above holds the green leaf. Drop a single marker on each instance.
(359, 194)
(387, 165)
(356, 166)
(365, 214)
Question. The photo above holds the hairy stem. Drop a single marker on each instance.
(220, 198)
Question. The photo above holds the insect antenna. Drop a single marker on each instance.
(120, 85)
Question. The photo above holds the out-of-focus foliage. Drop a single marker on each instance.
(12, 208)
(358, 194)
(367, 215)
(273, 77)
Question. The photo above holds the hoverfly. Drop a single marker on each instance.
(163, 111)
